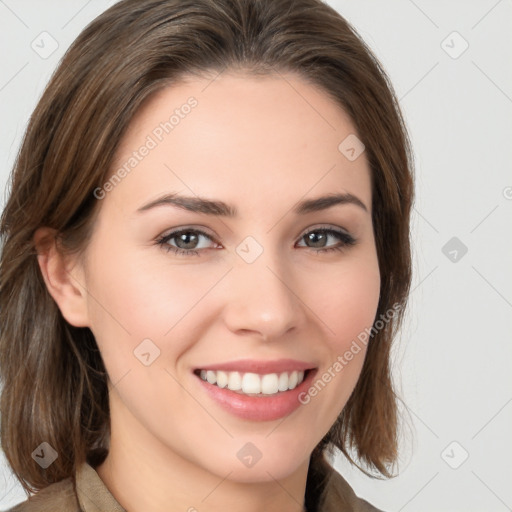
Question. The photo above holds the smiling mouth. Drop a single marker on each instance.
(254, 384)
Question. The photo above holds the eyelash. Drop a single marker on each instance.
(346, 240)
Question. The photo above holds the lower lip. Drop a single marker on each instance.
(258, 408)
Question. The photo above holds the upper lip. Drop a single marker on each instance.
(261, 367)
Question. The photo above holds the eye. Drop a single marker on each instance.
(319, 237)
(187, 241)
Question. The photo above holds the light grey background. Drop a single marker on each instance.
(454, 357)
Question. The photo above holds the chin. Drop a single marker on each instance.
(259, 465)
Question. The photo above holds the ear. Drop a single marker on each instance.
(64, 277)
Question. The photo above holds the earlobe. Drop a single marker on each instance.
(63, 276)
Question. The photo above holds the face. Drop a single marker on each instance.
(255, 293)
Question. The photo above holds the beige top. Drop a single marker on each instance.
(91, 495)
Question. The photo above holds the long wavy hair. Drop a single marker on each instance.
(54, 383)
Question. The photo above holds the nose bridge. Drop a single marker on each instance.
(261, 294)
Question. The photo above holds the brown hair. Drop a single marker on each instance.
(54, 380)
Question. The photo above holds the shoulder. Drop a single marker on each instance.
(59, 496)
(88, 495)
(338, 495)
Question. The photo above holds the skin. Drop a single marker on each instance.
(260, 144)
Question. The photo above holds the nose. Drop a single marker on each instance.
(261, 298)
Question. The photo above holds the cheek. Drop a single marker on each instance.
(347, 307)
(136, 298)
(346, 300)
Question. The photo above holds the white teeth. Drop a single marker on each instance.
(222, 379)
(253, 383)
(283, 382)
(234, 381)
(269, 384)
(292, 381)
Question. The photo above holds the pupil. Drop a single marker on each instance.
(184, 237)
(316, 238)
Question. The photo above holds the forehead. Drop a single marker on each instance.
(241, 138)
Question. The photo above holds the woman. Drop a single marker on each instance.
(208, 233)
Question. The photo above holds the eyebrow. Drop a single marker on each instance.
(220, 208)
